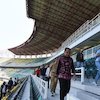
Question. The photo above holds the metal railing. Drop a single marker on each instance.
(41, 85)
(82, 30)
(35, 93)
(82, 69)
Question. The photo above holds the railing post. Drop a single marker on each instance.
(82, 74)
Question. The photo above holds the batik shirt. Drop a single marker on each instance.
(65, 66)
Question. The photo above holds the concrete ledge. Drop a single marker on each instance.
(89, 88)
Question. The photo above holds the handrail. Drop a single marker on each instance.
(41, 85)
(82, 73)
(80, 32)
(35, 91)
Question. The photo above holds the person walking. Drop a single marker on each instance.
(10, 84)
(65, 67)
(43, 72)
(97, 63)
(80, 59)
(3, 89)
(54, 79)
(15, 82)
(38, 72)
(48, 75)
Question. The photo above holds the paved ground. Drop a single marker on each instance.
(56, 97)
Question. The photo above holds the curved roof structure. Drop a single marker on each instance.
(55, 21)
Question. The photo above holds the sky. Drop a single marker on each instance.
(15, 26)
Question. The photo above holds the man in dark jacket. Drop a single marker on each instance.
(43, 71)
(80, 59)
(10, 84)
(65, 67)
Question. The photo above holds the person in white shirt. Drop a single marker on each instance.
(48, 75)
(3, 89)
(15, 82)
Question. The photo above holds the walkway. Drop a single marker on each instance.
(56, 97)
(86, 91)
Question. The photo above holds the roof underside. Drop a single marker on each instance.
(55, 21)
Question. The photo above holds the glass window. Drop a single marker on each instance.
(89, 51)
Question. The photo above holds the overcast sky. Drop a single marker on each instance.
(15, 27)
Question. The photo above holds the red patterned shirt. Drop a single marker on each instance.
(65, 66)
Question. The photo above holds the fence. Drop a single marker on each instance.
(41, 85)
(82, 69)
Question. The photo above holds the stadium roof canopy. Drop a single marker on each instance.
(55, 21)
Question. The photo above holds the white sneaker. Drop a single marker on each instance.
(94, 83)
